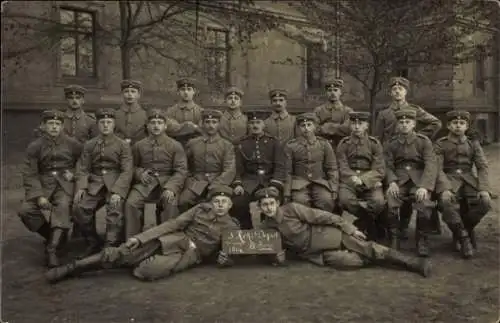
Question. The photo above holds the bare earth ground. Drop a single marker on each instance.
(458, 291)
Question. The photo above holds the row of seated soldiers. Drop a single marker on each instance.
(121, 169)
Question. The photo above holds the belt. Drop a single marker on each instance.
(457, 170)
(159, 172)
(54, 172)
(207, 174)
(410, 166)
(104, 171)
(359, 171)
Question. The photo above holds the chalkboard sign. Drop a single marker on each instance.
(251, 242)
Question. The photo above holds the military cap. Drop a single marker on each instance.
(308, 116)
(399, 80)
(74, 89)
(278, 92)
(267, 192)
(335, 83)
(186, 81)
(406, 114)
(126, 84)
(359, 116)
(258, 115)
(105, 113)
(220, 190)
(458, 115)
(52, 115)
(156, 114)
(235, 90)
(211, 114)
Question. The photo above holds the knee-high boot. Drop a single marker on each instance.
(421, 236)
(55, 240)
(394, 225)
(414, 264)
(59, 273)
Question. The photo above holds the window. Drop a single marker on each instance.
(77, 49)
(314, 66)
(217, 57)
(480, 70)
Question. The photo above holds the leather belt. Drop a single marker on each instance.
(159, 172)
(103, 171)
(55, 172)
(457, 170)
(410, 166)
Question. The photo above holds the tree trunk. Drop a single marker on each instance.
(373, 90)
(124, 44)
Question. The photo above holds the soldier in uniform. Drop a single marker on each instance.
(333, 115)
(467, 197)
(171, 247)
(311, 167)
(362, 170)
(326, 239)
(260, 162)
(131, 118)
(160, 171)
(411, 175)
(211, 162)
(233, 123)
(280, 123)
(48, 182)
(78, 124)
(104, 173)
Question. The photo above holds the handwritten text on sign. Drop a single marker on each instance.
(244, 242)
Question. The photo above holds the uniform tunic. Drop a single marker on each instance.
(233, 126)
(281, 126)
(183, 112)
(80, 125)
(131, 123)
(334, 121)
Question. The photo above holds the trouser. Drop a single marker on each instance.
(189, 199)
(134, 210)
(315, 196)
(241, 210)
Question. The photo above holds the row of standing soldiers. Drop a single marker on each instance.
(325, 159)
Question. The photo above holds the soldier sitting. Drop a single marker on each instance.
(466, 198)
(210, 162)
(326, 239)
(411, 175)
(362, 170)
(160, 171)
(311, 167)
(173, 246)
(233, 123)
(48, 182)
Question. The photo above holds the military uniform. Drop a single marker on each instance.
(105, 168)
(333, 117)
(233, 124)
(164, 250)
(131, 119)
(312, 174)
(281, 125)
(260, 162)
(165, 161)
(411, 164)
(327, 239)
(211, 161)
(456, 157)
(78, 124)
(362, 157)
(46, 167)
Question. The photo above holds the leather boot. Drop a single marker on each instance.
(394, 238)
(457, 246)
(394, 229)
(113, 233)
(466, 248)
(93, 242)
(472, 237)
(52, 246)
(59, 273)
(44, 231)
(421, 236)
(405, 213)
(414, 264)
(435, 223)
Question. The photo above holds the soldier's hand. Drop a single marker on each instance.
(484, 196)
(68, 175)
(192, 124)
(356, 180)
(393, 190)
(224, 260)
(238, 190)
(360, 235)
(447, 196)
(334, 196)
(280, 258)
(146, 178)
(168, 196)
(421, 194)
(114, 200)
(78, 196)
(132, 243)
(43, 203)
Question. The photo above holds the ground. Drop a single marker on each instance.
(458, 291)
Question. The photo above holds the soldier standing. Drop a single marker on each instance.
(48, 182)
(260, 162)
(78, 124)
(411, 175)
(131, 118)
(104, 174)
(466, 199)
(211, 162)
(280, 123)
(311, 167)
(362, 170)
(333, 116)
(233, 123)
(160, 171)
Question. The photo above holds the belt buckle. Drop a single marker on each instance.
(128, 140)
(358, 171)
(458, 171)
(156, 174)
(407, 167)
(309, 175)
(104, 172)
(207, 174)
(261, 172)
(54, 173)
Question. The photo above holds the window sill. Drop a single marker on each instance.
(83, 81)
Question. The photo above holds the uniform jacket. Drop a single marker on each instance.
(233, 127)
(199, 223)
(386, 122)
(114, 156)
(259, 161)
(411, 158)
(456, 158)
(362, 157)
(333, 119)
(281, 126)
(166, 161)
(80, 125)
(130, 123)
(308, 163)
(182, 112)
(45, 162)
(211, 161)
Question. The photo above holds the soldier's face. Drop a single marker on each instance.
(398, 92)
(131, 95)
(458, 127)
(279, 103)
(53, 127)
(307, 127)
(233, 101)
(187, 93)
(256, 126)
(211, 126)
(221, 204)
(406, 125)
(333, 93)
(156, 126)
(358, 127)
(269, 206)
(75, 101)
(106, 126)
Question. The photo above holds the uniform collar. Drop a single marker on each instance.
(307, 141)
(186, 105)
(104, 140)
(397, 106)
(211, 139)
(278, 218)
(456, 139)
(73, 113)
(357, 140)
(335, 105)
(280, 115)
(160, 139)
(53, 140)
(131, 108)
(407, 138)
(233, 115)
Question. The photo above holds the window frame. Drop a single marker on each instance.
(309, 48)
(211, 49)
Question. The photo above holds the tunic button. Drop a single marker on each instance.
(310, 175)
(104, 172)
(54, 173)
(408, 167)
(358, 171)
(261, 172)
(128, 140)
(207, 174)
(156, 174)
(459, 171)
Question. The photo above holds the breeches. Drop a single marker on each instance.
(316, 196)
(349, 199)
(188, 199)
(89, 204)
(406, 199)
